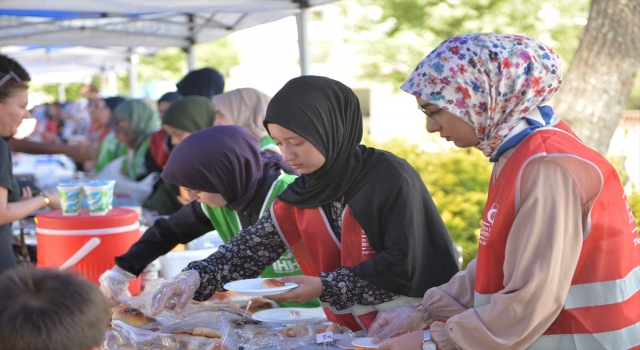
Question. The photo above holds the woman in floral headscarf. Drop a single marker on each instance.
(559, 249)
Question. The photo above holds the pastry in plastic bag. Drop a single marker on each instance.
(131, 316)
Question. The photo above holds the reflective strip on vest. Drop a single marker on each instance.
(609, 292)
(625, 338)
(582, 295)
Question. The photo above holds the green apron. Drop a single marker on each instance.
(110, 148)
(266, 141)
(136, 167)
(227, 223)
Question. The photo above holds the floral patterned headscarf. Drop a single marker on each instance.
(494, 82)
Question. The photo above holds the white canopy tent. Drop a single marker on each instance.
(143, 23)
(69, 64)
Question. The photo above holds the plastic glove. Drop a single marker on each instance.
(114, 284)
(400, 321)
(176, 293)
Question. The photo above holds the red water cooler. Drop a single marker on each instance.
(94, 240)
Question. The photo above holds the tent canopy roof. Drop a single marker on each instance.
(133, 23)
(67, 64)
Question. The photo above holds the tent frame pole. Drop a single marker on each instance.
(302, 20)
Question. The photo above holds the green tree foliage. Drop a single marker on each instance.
(634, 203)
(458, 181)
(71, 91)
(410, 29)
(171, 63)
(220, 54)
(166, 64)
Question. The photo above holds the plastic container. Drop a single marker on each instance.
(61, 237)
(98, 197)
(70, 197)
(172, 263)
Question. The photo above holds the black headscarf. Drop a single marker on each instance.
(386, 195)
(113, 102)
(226, 160)
(203, 82)
(170, 97)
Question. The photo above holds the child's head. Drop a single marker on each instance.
(47, 309)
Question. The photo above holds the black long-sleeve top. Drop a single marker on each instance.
(258, 246)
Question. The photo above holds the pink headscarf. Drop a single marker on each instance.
(494, 82)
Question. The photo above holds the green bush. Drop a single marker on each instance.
(634, 202)
(458, 181)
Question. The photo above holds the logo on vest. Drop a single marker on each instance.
(286, 264)
(366, 247)
(485, 230)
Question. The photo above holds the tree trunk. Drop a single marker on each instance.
(598, 83)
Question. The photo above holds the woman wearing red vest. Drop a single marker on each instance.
(559, 256)
(359, 221)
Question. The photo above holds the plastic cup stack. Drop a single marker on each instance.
(70, 194)
(111, 184)
(99, 197)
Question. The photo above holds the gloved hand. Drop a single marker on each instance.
(390, 323)
(176, 293)
(114, 284)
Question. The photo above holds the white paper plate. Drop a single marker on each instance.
(252, 288)
(288, 315)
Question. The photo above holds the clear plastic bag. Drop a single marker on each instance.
(287, 337)
(172, 331)
(123, 336)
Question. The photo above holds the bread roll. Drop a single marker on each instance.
(131, 316)
(333, 328)
(190, 342)
(271, 283)
(258, 304)
(207, 332)
(295, 331)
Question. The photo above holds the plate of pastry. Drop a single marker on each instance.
(258, 287)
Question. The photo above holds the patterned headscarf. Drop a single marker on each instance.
(494, 82)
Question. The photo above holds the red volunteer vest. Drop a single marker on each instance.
(158, 148)
(310, 239)
(603, 305)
